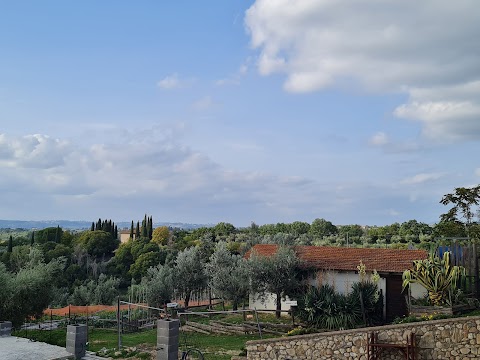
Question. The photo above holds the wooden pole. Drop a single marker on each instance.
(119, 325)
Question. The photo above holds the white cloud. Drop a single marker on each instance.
(173, 81)
(33, 151)
(421, 178)
(379, 139)
(203, 103)
(235, 78)
(428, 50)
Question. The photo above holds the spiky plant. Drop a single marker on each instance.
(437, 275)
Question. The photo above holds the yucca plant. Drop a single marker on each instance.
(323, 308)
(437, 275)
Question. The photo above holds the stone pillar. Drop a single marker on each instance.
(167, 339)
(77, 340)
(5, 328)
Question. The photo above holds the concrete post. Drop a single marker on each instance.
(5, 328)
(167, 339)
(77, 340)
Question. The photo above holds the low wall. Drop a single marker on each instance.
(457, 338)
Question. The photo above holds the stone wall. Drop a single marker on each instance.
(457, 339)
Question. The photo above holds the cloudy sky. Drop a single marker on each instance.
(269, 111)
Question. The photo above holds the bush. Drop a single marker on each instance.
(323, 308)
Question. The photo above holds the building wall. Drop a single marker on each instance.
(457, 338)
(341, 281)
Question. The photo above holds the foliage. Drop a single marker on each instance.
(413, 318)
(158, 285)
(161, 235)
(367, 291)
(275, 274)
(228, 275)
(101, 292)
(323, 308)
(29, 291)
(321, 228)
(300, 331)
(190, 273)
(98, 243)
(437, 275)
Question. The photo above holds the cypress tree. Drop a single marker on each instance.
(137, 230)
(92, 228)
(10, 244)
(115, 232)
(150, 228)
(32, 238)
(57, 233)
(131, 231)
(144, 227)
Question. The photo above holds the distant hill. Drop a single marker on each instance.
(81, 225)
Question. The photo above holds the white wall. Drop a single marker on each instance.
(341, 281)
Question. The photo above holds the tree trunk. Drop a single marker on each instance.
(187, 299)
(279, 306)
(235, 305)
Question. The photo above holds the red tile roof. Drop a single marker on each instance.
(341, 258)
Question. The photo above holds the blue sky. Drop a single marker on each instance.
(266, 111)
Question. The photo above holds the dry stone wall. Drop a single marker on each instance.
(455, 339)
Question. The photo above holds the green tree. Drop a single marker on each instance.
(137, 231)
(321, 228)
(228, 275)
(29, 291)
(10, 244)
(190, 273)
(223, 229)
(158, 284)
(98, 243)
(465, 203)
(145, 261)
(276, 274)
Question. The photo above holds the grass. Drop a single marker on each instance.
(214, 347)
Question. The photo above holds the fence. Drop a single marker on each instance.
(465, 255)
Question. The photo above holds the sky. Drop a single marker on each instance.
(363, 112)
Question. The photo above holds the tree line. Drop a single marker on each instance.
(92, 266)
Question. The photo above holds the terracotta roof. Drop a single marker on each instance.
(341, 258)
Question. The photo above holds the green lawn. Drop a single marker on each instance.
(214, 347)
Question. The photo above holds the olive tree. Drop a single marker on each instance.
(228, 275)
(275, 274)
(158, 285)
(190, 274)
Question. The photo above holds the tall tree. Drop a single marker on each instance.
(32, 238)
(190, 273)
(464, 201)
(10, 244)
(159, 284)
(275, 274)
(228, 275)
(131, 230)
(137, 230)
(321, 228)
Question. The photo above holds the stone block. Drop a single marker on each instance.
(77, 340)
(167, 339)
(5, 328)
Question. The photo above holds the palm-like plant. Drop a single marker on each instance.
(323, 308)
(437, 275)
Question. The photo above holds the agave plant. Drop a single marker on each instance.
(437, 275)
